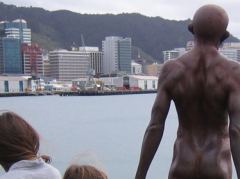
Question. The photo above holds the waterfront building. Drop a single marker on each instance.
(136, 68)
(68, 65)
(133, 82)
(117, 54)
(173, 54)
(32, 60)
(14, 83)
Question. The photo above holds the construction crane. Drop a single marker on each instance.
(90, 83)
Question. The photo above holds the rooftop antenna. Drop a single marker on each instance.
(83, 43)
(139, 55)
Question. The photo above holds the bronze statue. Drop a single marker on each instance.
(205, 87)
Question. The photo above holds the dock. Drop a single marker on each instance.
(78, 93)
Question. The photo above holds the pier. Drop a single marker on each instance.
(78, 93)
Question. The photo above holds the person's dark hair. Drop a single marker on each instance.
(84, 172)
(18, 139)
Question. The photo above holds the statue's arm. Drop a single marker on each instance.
(154, 131)
(234, 128)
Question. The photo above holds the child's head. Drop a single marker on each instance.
(83, 172)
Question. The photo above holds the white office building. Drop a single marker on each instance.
(131, 82)
(14, 84)
(172, 54)
(136, 68)
(96, 58)
(231, 50)
(68, 65)
(117, 54)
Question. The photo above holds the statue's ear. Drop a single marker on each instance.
(225, 36)
(190, 28)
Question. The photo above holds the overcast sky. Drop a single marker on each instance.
(168, 9)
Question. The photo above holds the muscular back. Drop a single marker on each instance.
(198, 83)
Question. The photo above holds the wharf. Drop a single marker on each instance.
(78, 93)
(26, 94)
(105, 93)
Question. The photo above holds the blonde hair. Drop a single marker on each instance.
(84, 172)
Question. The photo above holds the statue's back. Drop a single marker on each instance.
(200, 93)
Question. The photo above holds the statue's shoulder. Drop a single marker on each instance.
(171, 72)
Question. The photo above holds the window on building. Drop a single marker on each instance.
(134, 70)
(20, 86)
(145, 85)
(6, 86)
(154, 84)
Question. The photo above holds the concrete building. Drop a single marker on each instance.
(32, 60)
(136, 68)
(46, 67)
(117, 54)
(173, 54)
(231, 50)
(131, 82)
(68, 65)
(96, 58)
(110, 55)
(231, 45)
(233, 54)
(153, 69)
(14, 84)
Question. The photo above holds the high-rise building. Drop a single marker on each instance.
(11, 56)
(12, 35)
(32, 60)
(125, 55)
(69, 65)
(110, 54)
(117, 54)
(17, 29)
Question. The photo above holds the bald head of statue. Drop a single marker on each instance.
(210, 24)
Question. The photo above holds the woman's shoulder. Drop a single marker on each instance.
(32, 170)
(52, 171)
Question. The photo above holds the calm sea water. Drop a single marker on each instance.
(105, 131)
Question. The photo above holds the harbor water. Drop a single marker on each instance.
(104, 131)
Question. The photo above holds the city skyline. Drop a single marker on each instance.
(167, 9)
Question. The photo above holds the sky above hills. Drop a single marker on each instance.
(168, 9)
